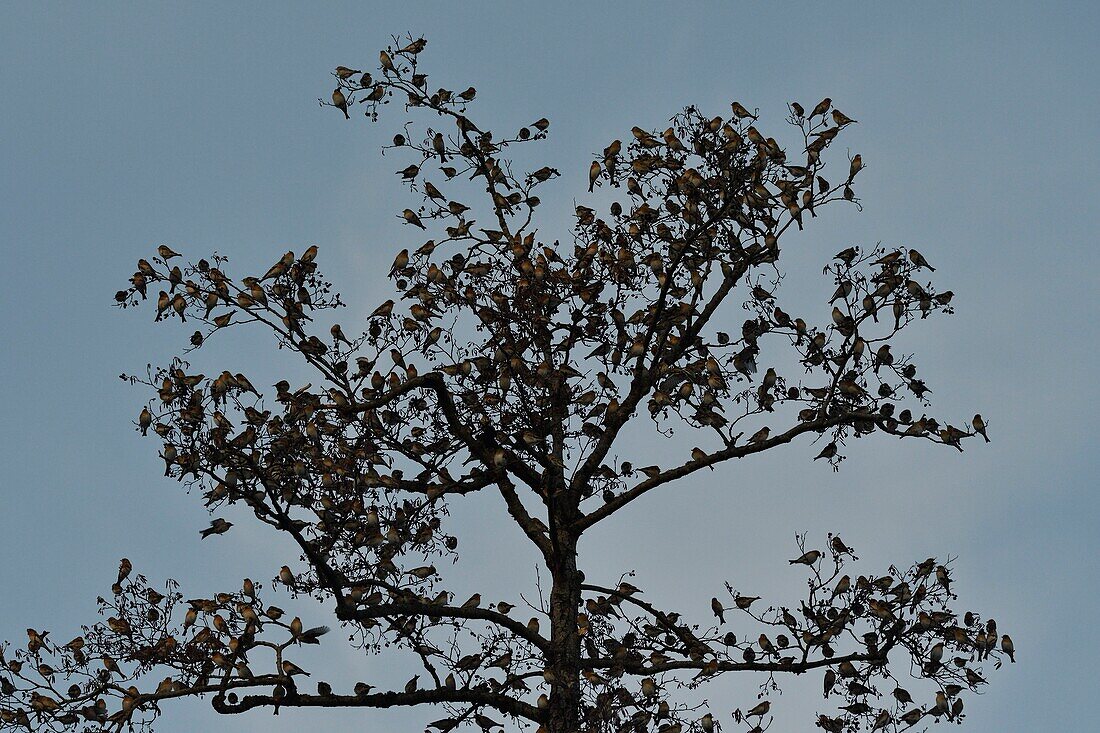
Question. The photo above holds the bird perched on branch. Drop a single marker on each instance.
(340, 102)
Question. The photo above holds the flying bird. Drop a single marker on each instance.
(218, 526)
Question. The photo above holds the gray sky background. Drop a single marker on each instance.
(127, 126)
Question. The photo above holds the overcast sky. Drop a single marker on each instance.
(129, 125)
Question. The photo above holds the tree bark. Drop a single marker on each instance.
(563, 715)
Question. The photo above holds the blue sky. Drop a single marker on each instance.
(130, 125)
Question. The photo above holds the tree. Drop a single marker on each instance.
(514, 366)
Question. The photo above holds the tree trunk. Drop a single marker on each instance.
(565, 651)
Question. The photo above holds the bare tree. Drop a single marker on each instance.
(514, 365)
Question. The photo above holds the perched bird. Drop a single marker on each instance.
(856, 166)
(145, 419)
(918, 259)
(485, 722)
(340, 102)
(912, 717)
(822, 107)
(719, 610)
(846, 255)
(344, 72)
(841, 119)
(979, 427)
(593, 174)
(411, 685)
(400, 262)
(743, 602)
(338, 334)
(827, 452)
(472, 602)
(1008, 648)
(412, 218)
(383, 310)
(761, 709)
(842, 291)
(807, 559)
(218, 526)
(165, 253)
(163, 303)
(124, 569)
(760, 435)
(739, 110)
(285, 576)
(291, 669)
(839, 547)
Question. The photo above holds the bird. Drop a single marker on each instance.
(472, 602)
(383, 310)
(217, 526)
(839, 547)
(400, 262)
(166, 253)
(760, 710)
(1008, 648)
(822, 107)
(145, 419)
(439, 145)
(855, 167)
(163, 303)
(291, 669)
(410, 686)
(979, 427)
(344, 72)
(485, 723)
(841, 119)
(593, 174)
(808, 558)
(918, 259)
(124, 569)
(842, 292)
(912, 717)
(285, 576)
(846, 255)
(760, 435)
(338, 334)
(739, 110)
(312, 636)
(340, 102)
(743, 602)
(827, 452)
(719, 610)
(411, 217)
